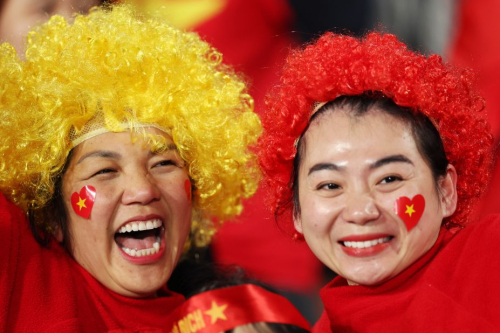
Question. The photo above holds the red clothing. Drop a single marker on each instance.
(45, 290)
(454, 287)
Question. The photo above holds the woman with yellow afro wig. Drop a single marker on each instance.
(122, 138)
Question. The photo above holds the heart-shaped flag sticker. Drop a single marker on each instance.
(410, 211)
(83, 202)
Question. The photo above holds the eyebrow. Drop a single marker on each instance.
(324, 166)
(100, 153)
(375, 165)
(168, 147)
(390, 159)
(115, 155)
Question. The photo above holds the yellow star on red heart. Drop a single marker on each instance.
(81, 203)
(409, 210)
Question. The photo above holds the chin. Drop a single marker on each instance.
(367, 277)
(143, 285)
(368, 281)
(141, 291)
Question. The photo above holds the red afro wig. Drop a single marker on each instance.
(338, 65)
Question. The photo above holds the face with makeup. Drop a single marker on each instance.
(141, 215)
(352, 171)
(17, 17)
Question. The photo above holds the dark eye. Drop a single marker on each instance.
(165, 163)
(103, 171)
(390, 179)
(329, 186)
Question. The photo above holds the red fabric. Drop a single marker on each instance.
(230, 307)
(254, 37)
(45, 290)
(477, 45)
(452, 288)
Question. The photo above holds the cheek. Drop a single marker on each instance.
(91, 203)
(179, 194)
(410, 210)
(318, 214)
(187, 189)
(177, 190)
(82, 202)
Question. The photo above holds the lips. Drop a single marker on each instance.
(141, 240)
(365, 245)
(368, 243)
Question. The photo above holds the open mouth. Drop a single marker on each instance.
(367, 243)
(140, 238)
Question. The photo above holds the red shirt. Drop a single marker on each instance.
(454, 287)
(45, 290)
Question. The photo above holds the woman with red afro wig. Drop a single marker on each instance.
(375, 155)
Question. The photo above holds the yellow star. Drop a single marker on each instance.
(409, 210)
(81, 203)
(216, 312)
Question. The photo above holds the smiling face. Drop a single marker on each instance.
(141, 215)
(353, 170)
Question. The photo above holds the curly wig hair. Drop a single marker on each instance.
(121, 67)
(339, 65)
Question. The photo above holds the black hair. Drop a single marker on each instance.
(425, 134)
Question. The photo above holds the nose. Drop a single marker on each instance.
(140, 189)
(360, 209)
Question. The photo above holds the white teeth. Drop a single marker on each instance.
(365, 244)
(140, 226)
(144, 252)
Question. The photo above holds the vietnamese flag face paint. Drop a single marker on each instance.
(83, 202)
(410, 211)
(187, 188)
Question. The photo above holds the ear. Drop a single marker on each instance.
(297, 223)
(448, 191)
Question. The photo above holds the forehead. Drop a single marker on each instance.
(147, 139)
(339, 131)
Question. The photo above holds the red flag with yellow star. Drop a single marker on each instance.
(223, 309)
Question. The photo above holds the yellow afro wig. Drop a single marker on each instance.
(120, 67)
